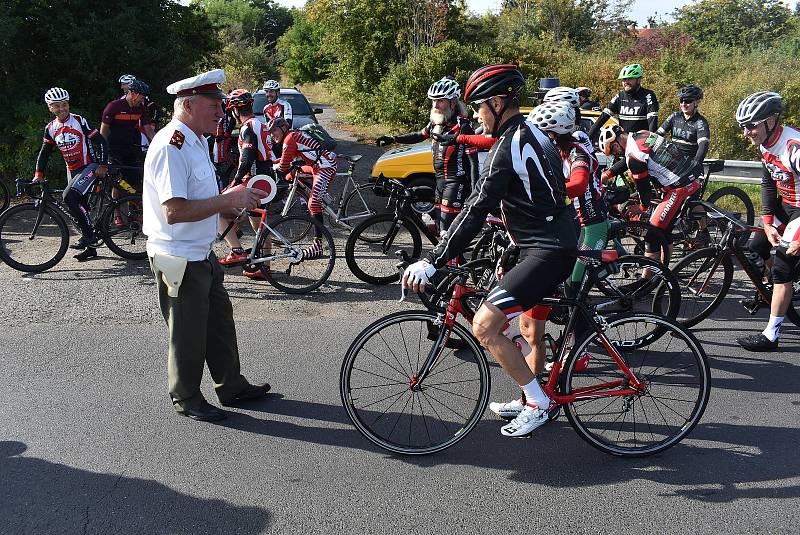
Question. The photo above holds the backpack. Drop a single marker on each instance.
(316, 132)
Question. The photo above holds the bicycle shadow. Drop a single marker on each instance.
(123, 268)
(40, 496)
(719, 463)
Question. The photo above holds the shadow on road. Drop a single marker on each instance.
(39, 496)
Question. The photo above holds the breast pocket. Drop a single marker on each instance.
(203, 183)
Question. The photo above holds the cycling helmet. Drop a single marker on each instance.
(758, 106)
(126, 79)
(558, 117)
(690, 92)
(562, 94)
(277, 123)
(584, 91)
(239, 98)
(634, 70)
(493, 81)
(56, 94)
(444, 88)
(271, 85)
(608, 135)
(137, 86)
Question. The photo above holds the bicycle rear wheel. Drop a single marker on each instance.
(674, 368)
(5, 196)
(628, 237)
(121, 228)
(735, 200)
(25, 251)
(362, 203)
(380, 392)
(371, 248)
(704, 280)
(293, 271)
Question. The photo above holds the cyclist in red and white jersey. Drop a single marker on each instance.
(74, 138)
(652, 159)
(298, 144)
(276, 107)
(758, 116)
(255, 158)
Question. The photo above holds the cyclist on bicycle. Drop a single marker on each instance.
(298, 144)
(580, 166)
(585, 103)
(636, 107)
(276, 107)
(758, 116)
(688, 128)
(75, 139)
(652, 159)
(455, 164)
(121, 129)
(255, 158)
(524, 176)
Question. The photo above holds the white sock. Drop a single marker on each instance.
(773, 330)
(534, 395)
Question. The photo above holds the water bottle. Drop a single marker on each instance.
(124, 185)
(511, 331)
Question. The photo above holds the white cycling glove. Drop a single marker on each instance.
(419, 273)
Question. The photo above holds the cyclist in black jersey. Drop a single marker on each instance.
(688, 128)
(584, 103)
(635, 106)
(455, 164)
(523, 174)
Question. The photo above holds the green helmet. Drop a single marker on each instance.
(634, 70)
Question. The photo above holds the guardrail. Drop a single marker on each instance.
(741, 171)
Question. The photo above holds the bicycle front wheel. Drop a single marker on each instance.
(27, 247)
(674, 368)
(393, 409)
(5, 196)
(121, 228)
(371, 248)
(300, 261)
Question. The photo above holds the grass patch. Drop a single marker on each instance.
(753, 191)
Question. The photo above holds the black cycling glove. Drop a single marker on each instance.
(384, 140)
(445, 138)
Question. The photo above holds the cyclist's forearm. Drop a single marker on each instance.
(42, 159)
(101, 154)
(702, 150)
(411, 137)
(594, 133)
(245, 164)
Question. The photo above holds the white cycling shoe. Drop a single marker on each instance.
(507, 410)
(527, 421)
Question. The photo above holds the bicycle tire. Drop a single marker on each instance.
(598, 427)
(449, 425)
(16, 246)
(5, 196)
(293, 274)
(701, 294)
(371, 247)
(357, 209)
(623, 291)
(628, 237)
(741, 197)
(126, 240)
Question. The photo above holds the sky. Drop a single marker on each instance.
(641, 9)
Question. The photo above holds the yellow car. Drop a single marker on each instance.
(413, 164)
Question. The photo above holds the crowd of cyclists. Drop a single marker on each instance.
(541, 175)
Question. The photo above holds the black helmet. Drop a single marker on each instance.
(137, 86)
(493, 81)
(690, 92)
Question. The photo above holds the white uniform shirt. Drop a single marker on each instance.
(178, 166)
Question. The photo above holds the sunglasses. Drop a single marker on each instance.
(685, 101)
(475, 106)
(751, 126)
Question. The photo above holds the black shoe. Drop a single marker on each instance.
(205, 412)
(250, 393)
(757, 342)
(82, 243)
(86, 254)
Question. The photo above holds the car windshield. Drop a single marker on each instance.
(297, 101)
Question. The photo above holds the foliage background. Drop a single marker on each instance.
(378, 58)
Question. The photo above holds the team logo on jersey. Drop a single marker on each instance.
(777, 173)
(793, 149)
(177, 139)
(629, 110)
(67, 140)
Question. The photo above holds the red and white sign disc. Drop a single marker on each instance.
(264, 183)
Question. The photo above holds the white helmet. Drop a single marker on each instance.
(56, 94)
(608, 135)
(126, 79)
(562, 94)
(758, 107)
(271, 84)
(444, 88)
(558, 117)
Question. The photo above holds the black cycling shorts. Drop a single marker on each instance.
(537, 275)
(783, 268)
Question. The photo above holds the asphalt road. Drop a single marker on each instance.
(89, 442)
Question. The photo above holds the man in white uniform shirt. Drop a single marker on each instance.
(181, 206)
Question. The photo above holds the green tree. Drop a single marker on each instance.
(302, 51)
(745, 24)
